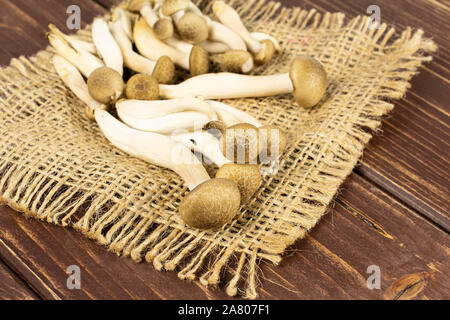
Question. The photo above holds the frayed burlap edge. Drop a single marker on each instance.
(169, 245)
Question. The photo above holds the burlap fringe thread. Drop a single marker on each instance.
(56, 166)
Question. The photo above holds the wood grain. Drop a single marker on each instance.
(376, 220)
(12, 288)
(365, 227)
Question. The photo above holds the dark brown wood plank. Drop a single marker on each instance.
(12, 288)
(365, 227)
(41, 253)
(23, 23)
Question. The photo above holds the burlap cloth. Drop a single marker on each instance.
(55, 165)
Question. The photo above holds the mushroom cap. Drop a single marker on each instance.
(266, 53)
(246, 176)
(240, 143)
(193, 28)
(211, 204)
(105, 85)
(163, 29)
(271, 134)
(164, 70)
(309, 80)
(198, 61)
(142, 87)
(136, 5)
(237, 61)
(170, 7)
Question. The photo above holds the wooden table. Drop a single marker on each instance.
(392, 212)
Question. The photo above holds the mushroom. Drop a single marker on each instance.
(211, 203)
(263, 51)
(120, 15)
(183, 46)
(153, 48)
(163, 70)
(73, 41)
(198, 61)
(84, 61)
(241, 144)
(202, 142)
(107, 47)
(105, 85)
(155, 148)
(307, 80)
(261, 36)
(214, 46)
(142, 87)
(220, 33)
(163, 28)
(238, 61)
(165, 116)
(191, 27)
(74, 80)
(225, 111)
(246, 176)
(274, 141)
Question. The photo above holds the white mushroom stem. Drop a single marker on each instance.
(260, 36)
(183, 46)
(151, 47)
(132, 60)
(84, 61)
(188, 120)
(149, 14)
(230, 18)
(120, 15)
(106, 46)
(75, 82)
(142, 109)
(73, 41)
(204, 143)
(154, 148)
(214, 46)
(229, 85)
(225, 110)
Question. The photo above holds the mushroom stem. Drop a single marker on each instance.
(132, 60)
(204, 143)
(214, 46)
(153, 48)
(80, 58)
(159, 108)
(74, 80)
(230, 18)
(154, 148)
(229, 85)
(120, 15)
(106, 46)
(183, 46)
(188, 120)
(73, 41)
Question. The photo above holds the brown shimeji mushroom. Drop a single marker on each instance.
(306, 80)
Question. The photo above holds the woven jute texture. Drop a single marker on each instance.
(55, 165)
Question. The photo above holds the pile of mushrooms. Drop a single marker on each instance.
(131, 65)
